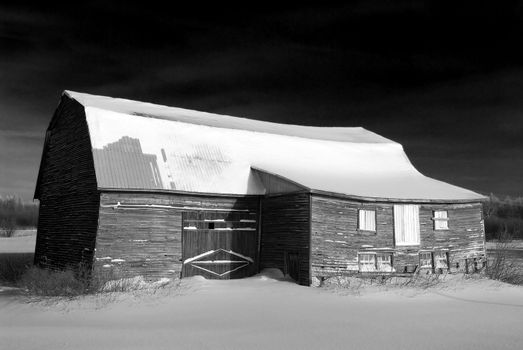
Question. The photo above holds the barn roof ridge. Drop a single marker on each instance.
(352, 134)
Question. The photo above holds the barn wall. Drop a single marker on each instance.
(67, 191)
(336, 240)
(148, 241)
(285, 229)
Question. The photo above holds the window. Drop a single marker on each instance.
(425, 260)
(406, 224)
(441, 220)
(367, 262)
(384, 262)
(372, 262)
(441, 260)
(367, 220)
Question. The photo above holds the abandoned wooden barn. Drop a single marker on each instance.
(166, 192)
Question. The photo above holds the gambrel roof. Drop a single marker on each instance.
(151, 147)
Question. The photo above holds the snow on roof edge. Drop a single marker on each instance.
(477, 196)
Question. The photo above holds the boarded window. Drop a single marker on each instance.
(367, 262)
(441, 220)
(425, 260)
(384, 262)
(441, 260)
(406, 224)
(367, 220)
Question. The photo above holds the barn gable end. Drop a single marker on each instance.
(67, 190)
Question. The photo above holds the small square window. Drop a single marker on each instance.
(441, 220)
(425, 260)
(441, 260)
(367, 262)
(367, 220)
(384, 262)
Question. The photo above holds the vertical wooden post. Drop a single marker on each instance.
(258, 251)
(310, 240)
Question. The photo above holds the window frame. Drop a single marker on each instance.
(390, 256)
(431, 259)
(373, 254)
(435, 220)
(374, 261)
(436, 260)
(361, 230)
(417, 226)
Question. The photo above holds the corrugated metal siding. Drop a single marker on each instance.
(140, 153)
(189, 168)
(122, 164)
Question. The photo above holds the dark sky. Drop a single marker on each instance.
(443, 79)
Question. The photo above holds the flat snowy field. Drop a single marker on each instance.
(23, 241)
(263, 312)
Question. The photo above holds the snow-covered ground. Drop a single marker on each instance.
(264, 312)
(23, 241)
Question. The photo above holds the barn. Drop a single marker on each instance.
(157, 191)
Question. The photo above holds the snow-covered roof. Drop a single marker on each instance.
(140, 145)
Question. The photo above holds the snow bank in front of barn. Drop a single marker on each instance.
(263, 312)
(132, 284)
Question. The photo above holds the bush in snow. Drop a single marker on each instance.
(500, 265)
(44, 282)
(7, 227)
(14, 265)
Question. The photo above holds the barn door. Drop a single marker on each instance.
(219, 245)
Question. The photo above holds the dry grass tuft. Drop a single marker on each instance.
(501, 265)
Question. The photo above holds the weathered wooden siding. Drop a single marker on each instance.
(336, 240)
(67, 191)
(148, 241)
(285, 229)
(220, 245)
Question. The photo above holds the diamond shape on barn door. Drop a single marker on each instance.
(219, 262)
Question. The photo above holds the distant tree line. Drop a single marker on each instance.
(15, 213)
(503, 216)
